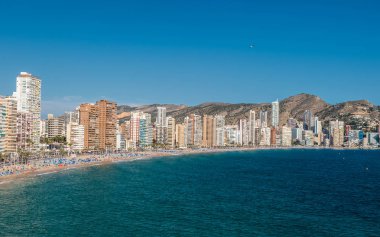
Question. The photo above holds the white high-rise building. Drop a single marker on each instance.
(28, 95)
(75, 136)
(265, 135)
(252, 128)
(161, 126)
(317, 126)
(161, 116)
(141, 130)
(135, 128)
(275, 113)
(286, 133)
(171, 132)
(231, 134)
(43, 131)
(3, 124)
(146, 130)
(263, 117)
(243, 132)
(219, 123)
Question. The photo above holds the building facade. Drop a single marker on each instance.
(170, 121)
(28, 95)
(99, 121)
(275, 113)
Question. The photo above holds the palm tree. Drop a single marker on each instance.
(30, 143)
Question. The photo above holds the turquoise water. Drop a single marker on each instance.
(261, 193)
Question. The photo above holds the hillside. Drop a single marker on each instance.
(295, 106)
(358, 113)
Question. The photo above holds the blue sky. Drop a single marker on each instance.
(189, 52)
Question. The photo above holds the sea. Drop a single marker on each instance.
(295, 192)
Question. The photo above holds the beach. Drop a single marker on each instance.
(10, 173)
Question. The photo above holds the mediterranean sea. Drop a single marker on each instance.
(299, 192)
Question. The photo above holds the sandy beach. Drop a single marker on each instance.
(112, 158)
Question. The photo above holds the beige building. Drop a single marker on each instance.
(180, 136)
(336, 133)
(193, 130)
(24, 131)
(3, 119)
(171, 126)
(286, 136)
(8, 138)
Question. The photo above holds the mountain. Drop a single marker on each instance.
(357, 113)
(295, 106)
(124, 111)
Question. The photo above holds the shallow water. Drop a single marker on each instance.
(256, 193)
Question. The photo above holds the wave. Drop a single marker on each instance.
(52, 172)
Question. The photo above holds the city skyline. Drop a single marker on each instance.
(71, 103)
(189, 118)
(133, 53)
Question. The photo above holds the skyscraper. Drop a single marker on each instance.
(8, 125)
(265, 136)
(146, 130)
(170, 121)
(3, 119)
(275, 113)
(11, 125)
(208, 131)
(243, 132)
(317, 126)
(307, 120)
(99, 121)
(193, 130)
(231, 135)
(263, 116)
(180, 136)
(24, 130)
(252, 128)
(286, 133)
(161, 126)
(55, 126)
(135, 128)
(75, 136)
(219, 123)
(28, 95)
(336, 131)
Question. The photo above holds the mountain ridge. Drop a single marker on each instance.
(358, 113)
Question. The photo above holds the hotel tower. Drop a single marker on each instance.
(28, 96)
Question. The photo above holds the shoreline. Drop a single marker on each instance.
(147, 155)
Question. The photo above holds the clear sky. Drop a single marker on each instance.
(189, 52)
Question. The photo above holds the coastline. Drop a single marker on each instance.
(146, 156)
(110, 160)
